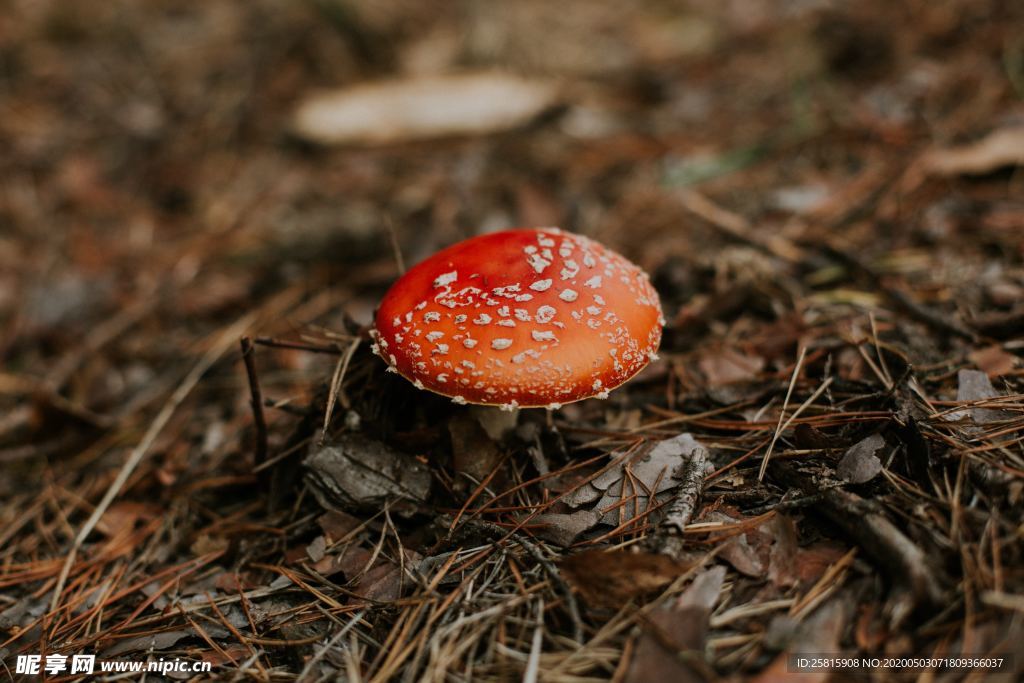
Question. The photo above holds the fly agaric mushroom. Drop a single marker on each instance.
(520, 318)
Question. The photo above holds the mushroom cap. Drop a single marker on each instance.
(521, 318)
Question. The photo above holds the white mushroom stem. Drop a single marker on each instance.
(495, 421)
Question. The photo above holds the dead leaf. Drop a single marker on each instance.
(121, 517)
(317, 549)
(974, 385)
(677, 629)
(1003, 147)
(993, 360)
(860, 464)
(336, 524)
(728, 366)
(819, 633)
(564, 529)
(737, 550)
(782, 560)
(611, 577)
(420, 108)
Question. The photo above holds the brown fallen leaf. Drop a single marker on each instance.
(1000, 148)
(819, 633)
(993, 360)
(421, 107)
(336, 524)
(737, 550)
(727, 366)
(783, 557)
(671, 647)
(610, 578)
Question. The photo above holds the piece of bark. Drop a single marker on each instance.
(357, 472)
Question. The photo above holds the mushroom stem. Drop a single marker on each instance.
(495, 421)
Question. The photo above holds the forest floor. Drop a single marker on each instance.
(829, 198)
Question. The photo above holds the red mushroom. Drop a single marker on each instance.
(521, 318)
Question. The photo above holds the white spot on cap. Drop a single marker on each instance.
(482, 319)
(441, 350)
(546, 314)
(538, 263)
(501, 344)
(460, 318)
(469, 343)
(507, 323)
(432, 316)
(543, 335)
(596, 385)
(442, 378)
(434, 336)
(541, 285)
(568, 295)
(593, 282)
(418, 384)
(459, 399)
(446, 279)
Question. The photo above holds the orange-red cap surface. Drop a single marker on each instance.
(521, 318)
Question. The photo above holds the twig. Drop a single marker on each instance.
(256, 400)
(668, 537)
(738, 227)
(393, 237)
(339, 375)
(533, 663)
(782, 413)
(328, 645)
(331, 349)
